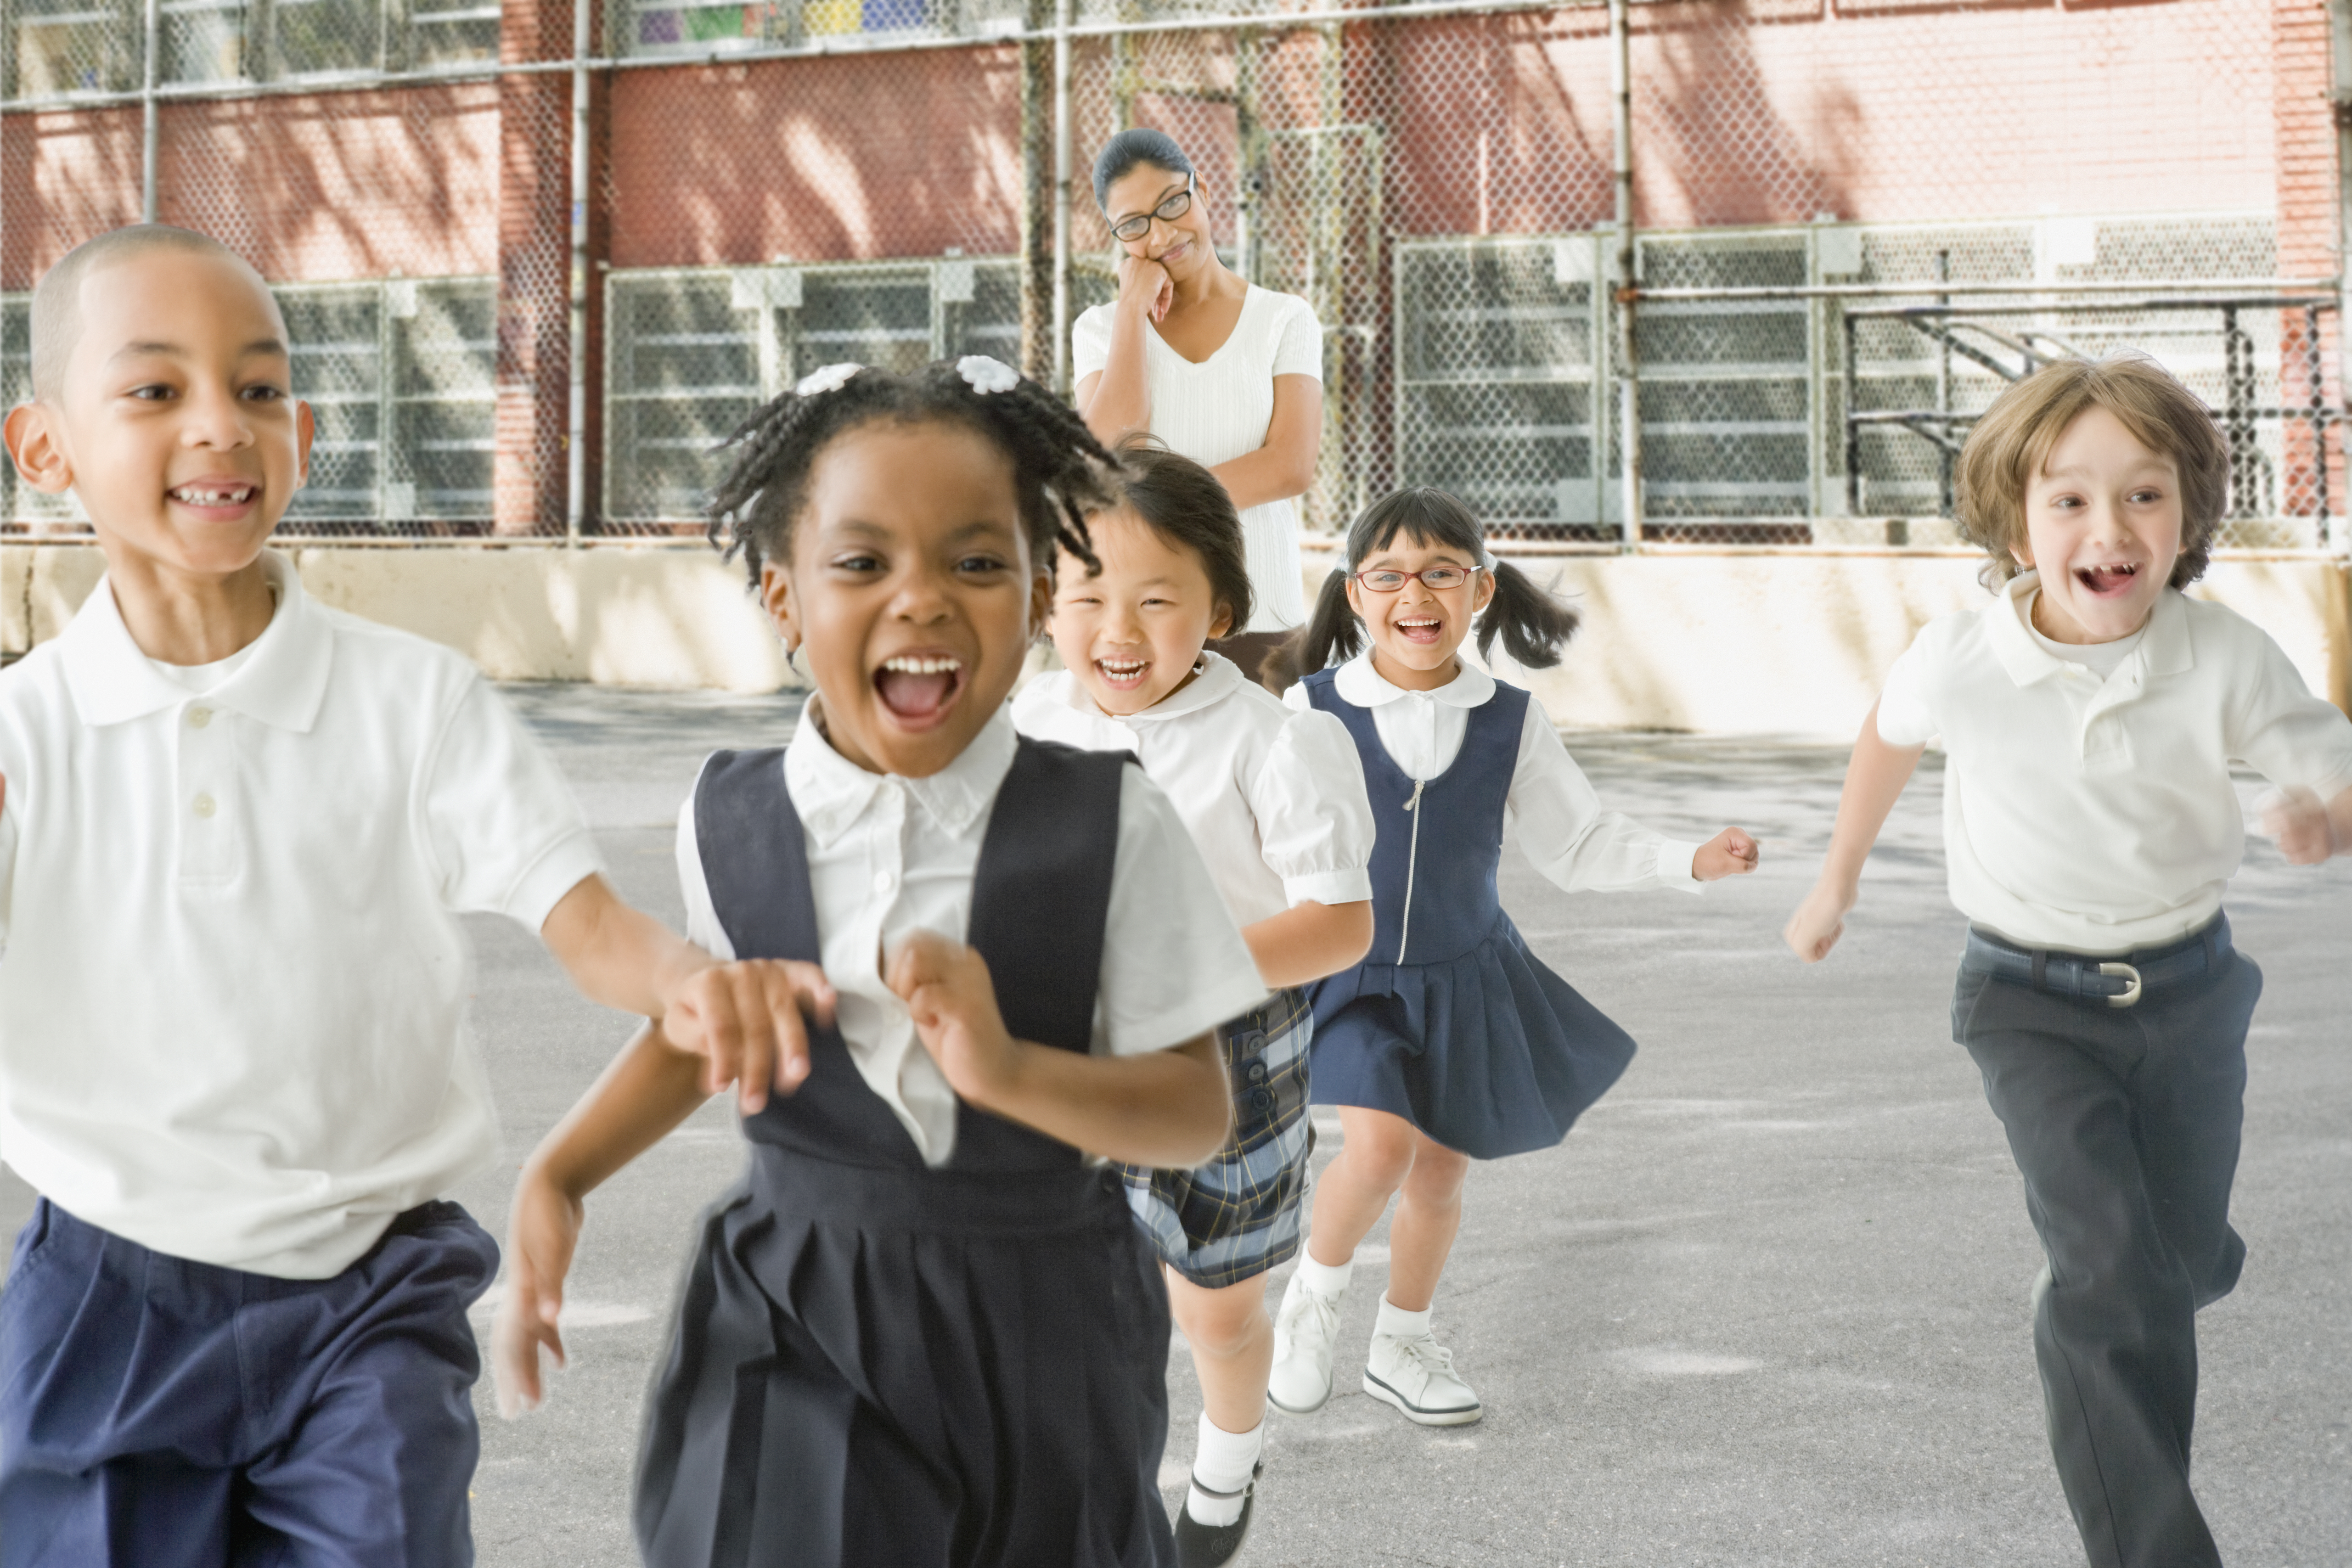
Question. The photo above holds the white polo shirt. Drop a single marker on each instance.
(2095, 813)
(233, 984)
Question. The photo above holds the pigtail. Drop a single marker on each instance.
(771, 449)
(1332, 634)
(1050, 445)
(1060, 471)
(1532, 621)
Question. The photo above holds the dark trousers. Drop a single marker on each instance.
(2123, 1121)
(158, 1413)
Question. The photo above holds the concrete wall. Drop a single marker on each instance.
(1785, 644)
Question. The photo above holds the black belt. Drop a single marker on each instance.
(2118, 982)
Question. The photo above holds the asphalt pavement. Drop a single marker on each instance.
(1767, 1305)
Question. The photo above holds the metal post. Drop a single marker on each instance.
(1945, 501)
(148, 130)
(2315, 372)
(2339, 31)
(1629, 380)
(575, 439)
(1853, 426)
(1061, 219)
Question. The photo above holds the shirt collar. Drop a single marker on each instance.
(1219, 678)
(1363, 685)
(2165, 647)
(282, 684)
(831, 793)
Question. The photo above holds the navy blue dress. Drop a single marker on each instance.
(1450, 1022)
(875, 1362)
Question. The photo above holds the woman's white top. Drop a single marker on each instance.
(1220, 409)
(1274, 799)
(889, 856)
(2092, 812)
(1551, 809)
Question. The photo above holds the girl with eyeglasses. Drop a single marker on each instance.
(1451, 1041)
(1213, 367)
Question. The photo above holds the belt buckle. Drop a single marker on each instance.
(2129, 995)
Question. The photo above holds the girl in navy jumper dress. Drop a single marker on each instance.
(923, 1330)
(1452, 1041)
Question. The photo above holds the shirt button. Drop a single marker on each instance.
(199, 716)
(883, 881)
(205, 805)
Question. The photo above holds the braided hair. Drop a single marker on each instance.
(1532, 623)
(1060, 471)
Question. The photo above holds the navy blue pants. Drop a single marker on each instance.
(164, 1414)
(2125, 1125)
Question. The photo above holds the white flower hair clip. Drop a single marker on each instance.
(830, 378)
(984, 375)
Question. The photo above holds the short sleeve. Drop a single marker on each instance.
(1298, 346)
(7, 869)
(1174, 965)
(702, 927)
(1313, 822)
(2278, 729)
(1089, 343)
(1903, 717)
(508, 836)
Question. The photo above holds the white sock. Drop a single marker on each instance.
(1224, 1462)
(1395, 1320)
(1329, 1280)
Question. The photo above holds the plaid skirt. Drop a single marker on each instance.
(1239, 1216)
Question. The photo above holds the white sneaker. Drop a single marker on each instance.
(1303, 1331)
(1417, 1376)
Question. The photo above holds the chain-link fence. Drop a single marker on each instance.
(540, 262)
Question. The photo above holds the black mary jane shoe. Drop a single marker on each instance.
(1201, 1546)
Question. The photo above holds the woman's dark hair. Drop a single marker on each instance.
(1060, 471)
(1187, 507)
(1123, 151)
(1532, 623)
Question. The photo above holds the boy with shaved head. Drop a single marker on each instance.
(237, 830)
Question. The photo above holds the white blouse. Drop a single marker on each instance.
(1551, 807)
(889, 856)
(1275, 798)
(1220, 409)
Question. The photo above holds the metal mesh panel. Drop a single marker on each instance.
(529, 304)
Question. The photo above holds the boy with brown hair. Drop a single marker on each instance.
(237, 831)
(2090, 714)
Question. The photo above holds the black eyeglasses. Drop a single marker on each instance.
(1387, 579)
(1167, 212)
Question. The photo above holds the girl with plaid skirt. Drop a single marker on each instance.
(1451, 1041)
(1276, 801)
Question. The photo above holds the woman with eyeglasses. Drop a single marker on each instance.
(1213, 367)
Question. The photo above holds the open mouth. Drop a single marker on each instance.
(2107, 581)
(214, 497)
(1419, 629)
(919, 688)
(1123, 674)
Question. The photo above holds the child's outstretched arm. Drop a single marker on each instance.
(650, 1087)
(1873, 780)
(1165, 1108)
(1309, 940)
(2308, 830)
(742, 1020)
